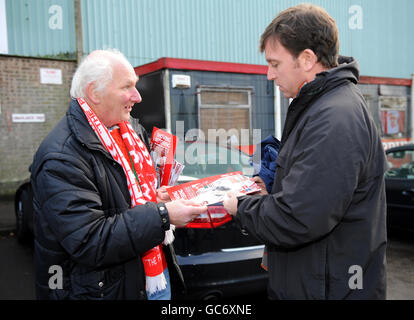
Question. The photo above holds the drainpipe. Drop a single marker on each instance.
(167, 100)
(412, 108)
(277, 112)
(78, 30)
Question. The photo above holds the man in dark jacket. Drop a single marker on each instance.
(92, 226)
(324, 221)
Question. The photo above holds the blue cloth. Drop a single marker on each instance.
(163, 294)
(264, 160)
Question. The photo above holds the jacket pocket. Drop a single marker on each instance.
(306, 272)
(279, 174)
(107, 284)
(277, 266)
(280, 161)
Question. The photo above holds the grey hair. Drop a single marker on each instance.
(96, 68)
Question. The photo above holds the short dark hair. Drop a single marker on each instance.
(305, 26)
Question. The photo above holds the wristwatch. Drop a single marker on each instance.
(165, 219)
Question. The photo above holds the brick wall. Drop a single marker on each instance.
(22, 93)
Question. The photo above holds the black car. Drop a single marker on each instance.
(217, 258)
(399, 181)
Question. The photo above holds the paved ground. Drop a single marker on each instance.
(17, 270)
(400, 267)
(7, 217)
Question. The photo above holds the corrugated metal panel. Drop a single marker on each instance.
(41, 28)
(382, 43)
(229, 30)
(217, 30)
(148, 29)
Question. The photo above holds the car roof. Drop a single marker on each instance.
(401, 148)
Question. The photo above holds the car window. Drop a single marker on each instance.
(204, 160)
(400, 164)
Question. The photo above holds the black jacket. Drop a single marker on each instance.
(83, 221)
(326, 213)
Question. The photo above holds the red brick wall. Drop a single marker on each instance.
(21, 92)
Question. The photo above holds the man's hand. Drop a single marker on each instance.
(162, 194)
(182, 212)
(230, 203)
(259, 181)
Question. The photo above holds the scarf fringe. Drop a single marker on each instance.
(154, 284)
(169, 235)
(158, 282)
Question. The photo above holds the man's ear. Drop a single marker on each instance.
(309, 59)
(92, 94)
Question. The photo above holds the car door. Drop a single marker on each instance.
(400, 187)
(217, 258)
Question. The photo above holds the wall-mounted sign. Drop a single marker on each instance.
(181, 81)
(393, 116)
(28, 117)
(50, 76)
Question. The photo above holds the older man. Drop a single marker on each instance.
(97, 221)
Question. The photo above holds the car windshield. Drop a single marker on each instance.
(206, 159)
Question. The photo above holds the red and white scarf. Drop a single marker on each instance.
(141, 191)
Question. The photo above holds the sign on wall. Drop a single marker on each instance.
(50, 76)
(28, 117)
(393, 116)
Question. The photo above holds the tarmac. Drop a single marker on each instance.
(7, 215)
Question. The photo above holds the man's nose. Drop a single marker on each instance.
(270, 74)
(136, 97)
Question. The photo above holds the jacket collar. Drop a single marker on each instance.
(346, 71)
(83, 132)
(80, 127)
